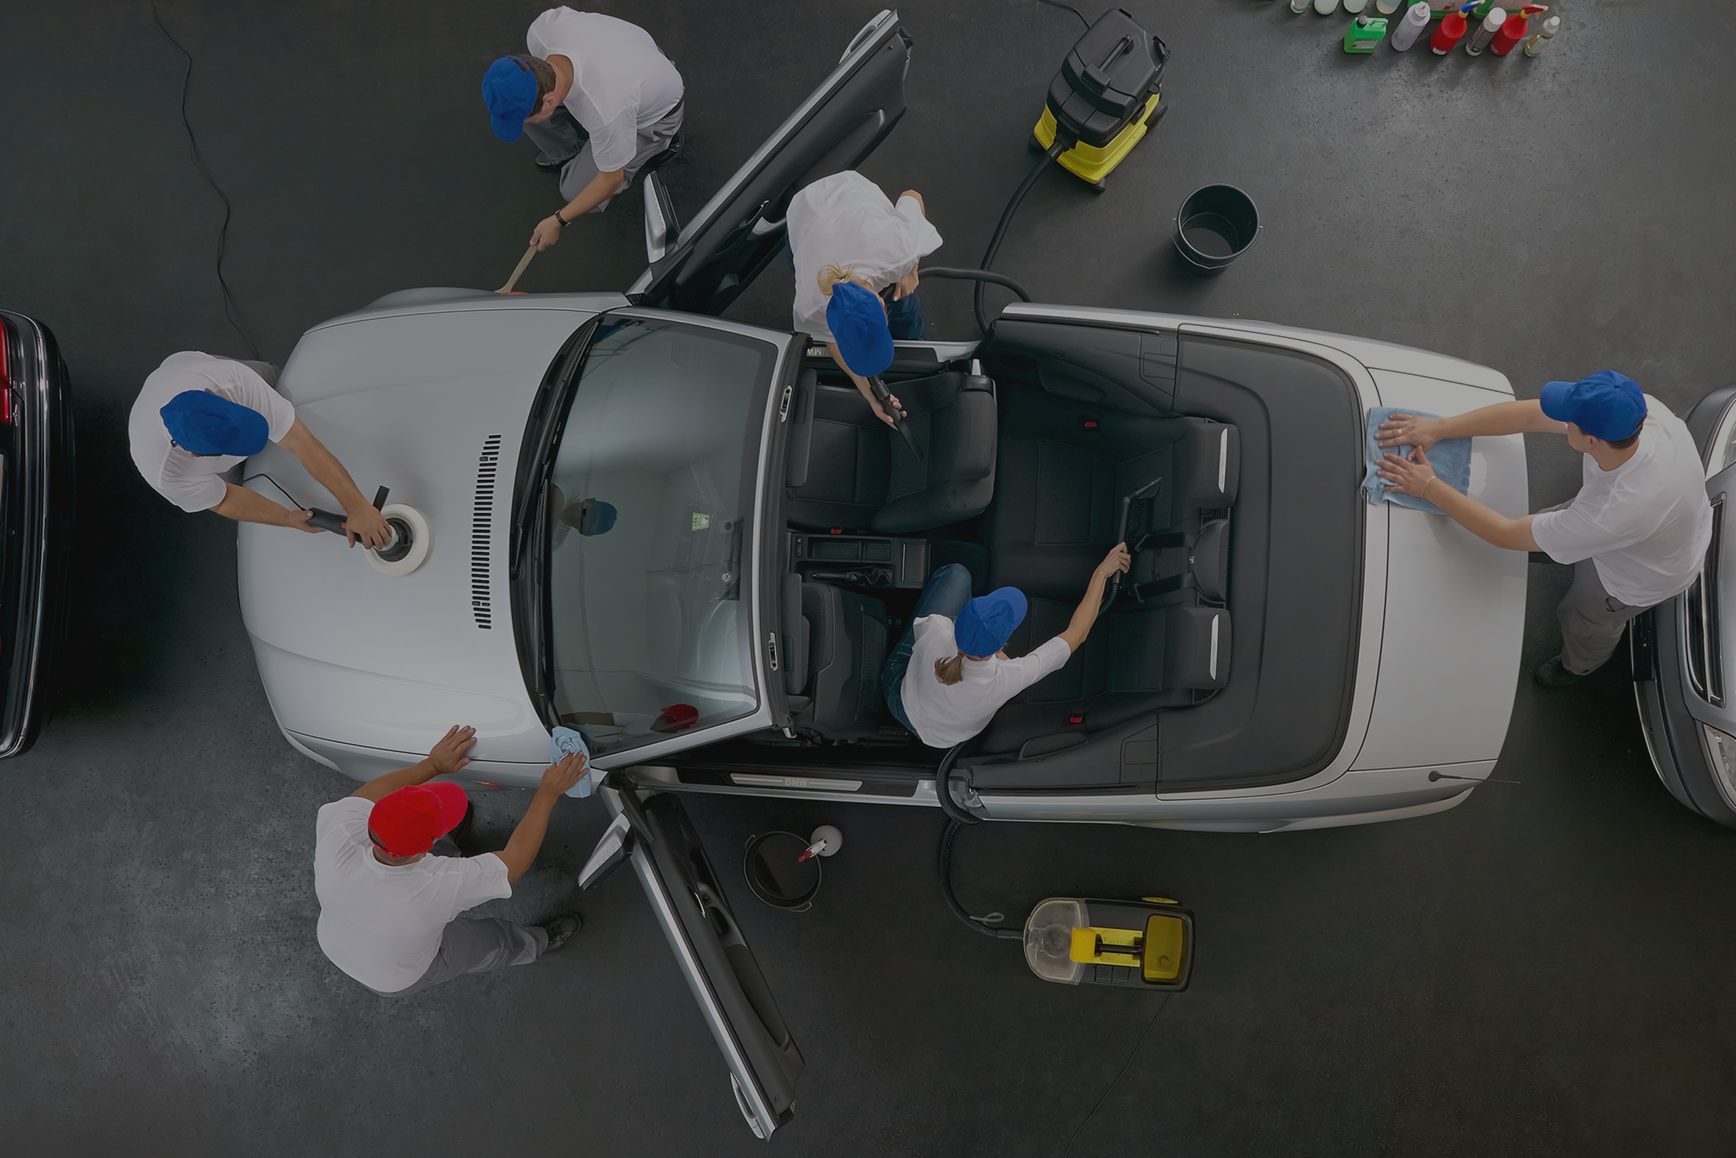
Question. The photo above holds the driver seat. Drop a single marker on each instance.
(862, 475)
(835, 641)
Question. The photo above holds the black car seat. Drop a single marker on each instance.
(834, 651)
(862, 475)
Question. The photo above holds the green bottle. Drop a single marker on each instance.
(1365, 34)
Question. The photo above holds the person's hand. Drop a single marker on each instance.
(1409, 430)
(299, 520)
(880, 411)
(1407, 476)
(558, 778)
(906, 285)
(1117, 560)
(920, 204)
(546, 233)
(368, 525)
(448, 756)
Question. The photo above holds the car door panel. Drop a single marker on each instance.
(741, 229)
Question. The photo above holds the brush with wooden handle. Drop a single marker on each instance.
(517, 272)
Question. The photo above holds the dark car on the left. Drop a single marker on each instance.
(36, 522)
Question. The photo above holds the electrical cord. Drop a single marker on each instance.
(1068, 7)
(1125, 1066)
(231, 306)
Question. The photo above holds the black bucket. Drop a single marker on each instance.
(1214, 226)
(776, 876)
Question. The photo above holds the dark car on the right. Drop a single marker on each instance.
(1687, 713)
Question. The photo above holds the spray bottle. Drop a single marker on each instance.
(1365, 34)
(1452, 30)
(1514, 30)
(1491, 25)
(1416, 20)
(1541, 38)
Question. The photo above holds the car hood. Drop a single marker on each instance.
(1455, 605)
(432, 403)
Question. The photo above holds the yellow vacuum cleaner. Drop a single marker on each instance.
(1144, 945)
(1104, 99)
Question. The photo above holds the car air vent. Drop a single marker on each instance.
(482, 532)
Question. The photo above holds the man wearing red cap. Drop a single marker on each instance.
(389, 911)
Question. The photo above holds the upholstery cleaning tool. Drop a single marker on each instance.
(1486, 32)
(1143, 945)
(1113, 587)
(883, 395)
(411, 536)
(1540, 39)
(1415, 22)
(1364, 34)
(1452, 30)
(518, 271)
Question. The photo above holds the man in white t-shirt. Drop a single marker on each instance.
(199, 417)
(391, 882)
(1636, 533)
(598, 98)
(845, 237)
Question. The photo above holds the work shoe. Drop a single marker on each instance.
(547, 163)
(561, 930)
(1552, 674)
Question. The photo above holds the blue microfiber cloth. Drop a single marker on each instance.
(1451, 458)
(564, 742)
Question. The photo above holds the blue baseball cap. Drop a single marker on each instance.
(509, 91)
(987, 622)
(1605, 405)
(205, 423)
(858, 324)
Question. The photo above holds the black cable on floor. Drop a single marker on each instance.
(1068, 7)
(1125, 1066)
(231, 307)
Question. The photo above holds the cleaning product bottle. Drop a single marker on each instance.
(1352, 7)
(1416, 19)
(1325, 7)
(1491, 24)
(1452, 30)
(1386, 7)
(1299, 5)
(1365, 34)
(1512, 32)
(1541, 38)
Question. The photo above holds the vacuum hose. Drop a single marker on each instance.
(979, 276)
(988, 924)
(1056, 147)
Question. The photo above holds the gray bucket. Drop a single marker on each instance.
(775, 874)
(1214, 226)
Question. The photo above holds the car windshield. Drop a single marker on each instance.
(651, 485)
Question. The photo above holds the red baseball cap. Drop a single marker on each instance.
(410, 820)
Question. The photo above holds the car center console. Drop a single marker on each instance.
(859, 560)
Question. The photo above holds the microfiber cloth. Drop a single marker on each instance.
(564, 742)
(1451, 458)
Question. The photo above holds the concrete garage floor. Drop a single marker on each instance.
(1542, 971)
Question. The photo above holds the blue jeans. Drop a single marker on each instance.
(905, 319)
(945, 593)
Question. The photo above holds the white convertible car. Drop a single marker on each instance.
(1283, 656)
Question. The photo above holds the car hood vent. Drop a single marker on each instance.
(482, 533)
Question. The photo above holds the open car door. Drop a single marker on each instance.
(703, 266)
(654, 833)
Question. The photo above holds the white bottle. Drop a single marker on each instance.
(1414, 24)
(1352, 7)
(1298, 5)
(1491, 24)
(1325, 7)
(1540, 39)
(1386, 7)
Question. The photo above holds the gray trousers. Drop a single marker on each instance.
(563, 139)
(476, 944)
(1591, 621)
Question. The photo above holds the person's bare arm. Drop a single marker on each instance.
(245, 506)
(862, 385)
(1414, 476)
(598, 190)
(443, 759)
(522, 847)
(1086, 613)
(361, 520)
(1524, 417)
